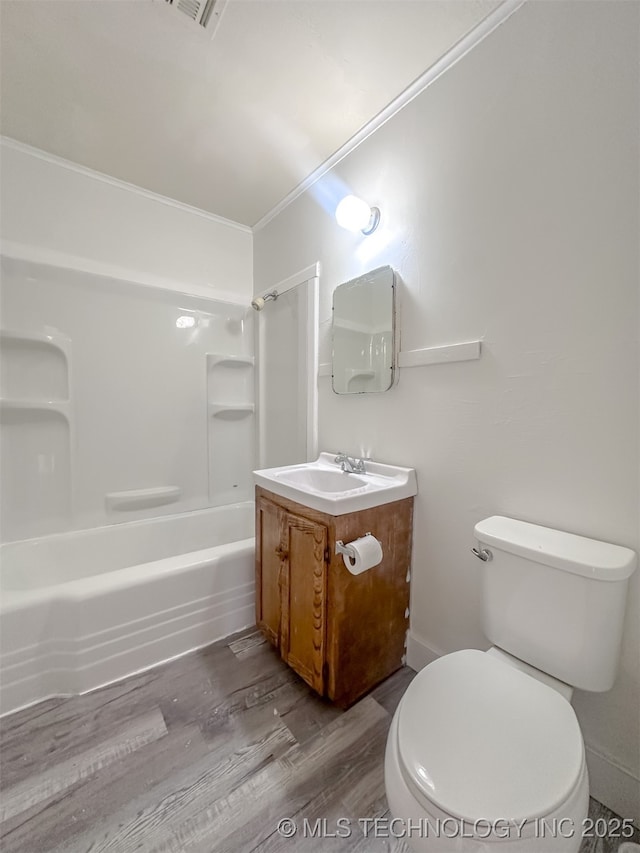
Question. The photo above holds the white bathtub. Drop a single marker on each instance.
(78, 610)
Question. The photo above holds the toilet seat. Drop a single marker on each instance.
(486, 742)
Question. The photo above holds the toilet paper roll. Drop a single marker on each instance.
(365, 553)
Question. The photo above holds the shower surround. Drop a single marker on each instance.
(128, 441)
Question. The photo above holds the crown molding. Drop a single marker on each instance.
(446, 61)
(22, 147)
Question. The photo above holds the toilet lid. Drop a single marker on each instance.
(484, 741)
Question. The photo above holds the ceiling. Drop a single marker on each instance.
(230, 124)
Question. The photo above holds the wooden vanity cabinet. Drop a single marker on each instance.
(341, 633)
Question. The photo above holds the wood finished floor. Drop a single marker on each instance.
(204, 754)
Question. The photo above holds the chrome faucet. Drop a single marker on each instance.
(350, 465)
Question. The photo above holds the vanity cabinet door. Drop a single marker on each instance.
(342, 633)
(270, 567)
(291, 588)
(304, 598)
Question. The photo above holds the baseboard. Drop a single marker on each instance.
(609, 783)
(613, 785)
(419, 654)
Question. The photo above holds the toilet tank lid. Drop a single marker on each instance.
(590, 558)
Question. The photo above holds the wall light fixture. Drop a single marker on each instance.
(354, 214)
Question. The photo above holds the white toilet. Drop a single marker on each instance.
(485, 752)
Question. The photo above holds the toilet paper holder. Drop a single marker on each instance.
(346, 550)
(361, 554)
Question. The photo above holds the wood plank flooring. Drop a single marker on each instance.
(205, 754)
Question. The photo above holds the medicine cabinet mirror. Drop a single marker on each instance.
(363, 358)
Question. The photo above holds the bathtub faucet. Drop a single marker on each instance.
(350, 465)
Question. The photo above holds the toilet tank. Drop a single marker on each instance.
(554, 599)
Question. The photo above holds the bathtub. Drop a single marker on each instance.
(78, 610)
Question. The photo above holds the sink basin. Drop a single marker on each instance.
(311, 478)
(323, 486)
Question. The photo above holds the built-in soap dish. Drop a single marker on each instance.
(135, 499)
(231, 411)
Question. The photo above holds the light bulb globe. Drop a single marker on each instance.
(353, 213)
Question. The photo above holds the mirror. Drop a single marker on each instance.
(363, 358)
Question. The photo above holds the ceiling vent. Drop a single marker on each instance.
(204, 13)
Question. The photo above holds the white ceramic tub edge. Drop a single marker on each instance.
(74, 637)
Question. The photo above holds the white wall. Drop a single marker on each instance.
(56, 212)
(509, 196)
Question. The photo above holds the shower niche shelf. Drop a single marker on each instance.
(231, 411)
(231, 426)
(230, 379)
(60, 407)
(37, 425)
(35, 365)
(49, 337)
(230, 360)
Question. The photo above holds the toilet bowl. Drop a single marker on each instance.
(485, 752)
(481, 756)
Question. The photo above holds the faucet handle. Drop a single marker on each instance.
(350, 464)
